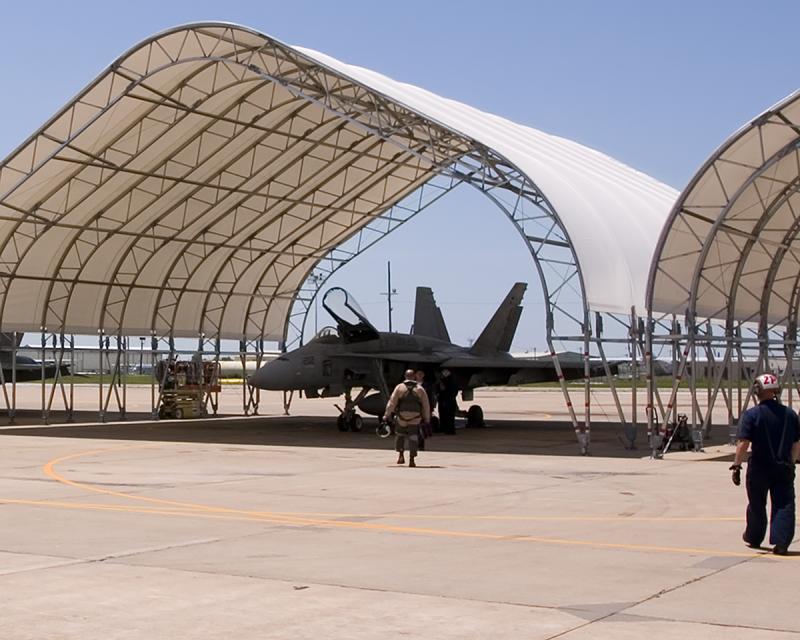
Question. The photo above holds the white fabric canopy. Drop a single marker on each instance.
(613, 213)
(730, 250)
(192, 187)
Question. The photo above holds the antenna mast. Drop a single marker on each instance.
(389, 292)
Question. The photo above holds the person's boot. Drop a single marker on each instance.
(401, 459)
(411, 462)
(778, 549)
(752, 545)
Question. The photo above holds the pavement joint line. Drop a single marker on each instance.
(724, 625)
(72, 562)
(652, 596)
(297, 521)
(337, 585)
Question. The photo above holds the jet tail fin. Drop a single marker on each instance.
(499, 333)
(428, 320)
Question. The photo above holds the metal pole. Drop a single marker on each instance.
(790, 347)
(676, 330)
(729, 346)
(649, 373)
(13, 416)
(389, 291)
(71, 412)
(243, 360)
(44, 385)
(693, 372)
(740, 360)
(153, 356)
(561, 381)
(634, 369)
(125, 346)
(587, 388)
(102, 415)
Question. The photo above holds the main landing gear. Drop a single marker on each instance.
(475, 417)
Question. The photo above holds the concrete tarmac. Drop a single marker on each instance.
(273, 527)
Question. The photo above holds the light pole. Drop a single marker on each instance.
(389, 292)
(141, 353)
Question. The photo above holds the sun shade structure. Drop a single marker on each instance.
(723, 286)
(730, 250)
(196, 183)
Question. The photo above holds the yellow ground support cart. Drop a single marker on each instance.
(186, 387)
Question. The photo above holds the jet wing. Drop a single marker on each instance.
(478, 362)
(520, 370)
(395, 357)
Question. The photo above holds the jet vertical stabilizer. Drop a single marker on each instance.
(499, 333)
(428, 320)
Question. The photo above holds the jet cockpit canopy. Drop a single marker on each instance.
(351, 320)
(327, 335)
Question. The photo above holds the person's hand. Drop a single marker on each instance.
(736, 474)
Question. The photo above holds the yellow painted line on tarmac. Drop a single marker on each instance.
(49, 470)
(424, 516)
(264, 517)
(189, 509)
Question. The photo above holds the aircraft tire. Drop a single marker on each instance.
(357, 423)
(341, 423)
(475, 416)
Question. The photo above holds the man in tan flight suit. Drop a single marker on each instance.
(409, 406)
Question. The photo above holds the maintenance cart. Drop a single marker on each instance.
(186, 387)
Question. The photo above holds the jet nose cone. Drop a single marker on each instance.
(272, 376)
(259, 379)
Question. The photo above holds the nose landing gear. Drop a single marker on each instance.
(348, 419)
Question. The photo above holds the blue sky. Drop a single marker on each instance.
(657, 85)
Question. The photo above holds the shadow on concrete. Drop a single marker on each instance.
(501, 436)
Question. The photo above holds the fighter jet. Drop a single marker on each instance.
(23, 368)
(355, 355)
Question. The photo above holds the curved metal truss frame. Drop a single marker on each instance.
(733, 279)
(246, 214)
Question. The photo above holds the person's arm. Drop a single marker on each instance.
(741, 451)
(390, 406)
(796, 452)
(736, 468)
(426, 405)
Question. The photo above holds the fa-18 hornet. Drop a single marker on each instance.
(357, 356)
(23, 368)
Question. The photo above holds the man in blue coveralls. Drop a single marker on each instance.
(773, 431)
